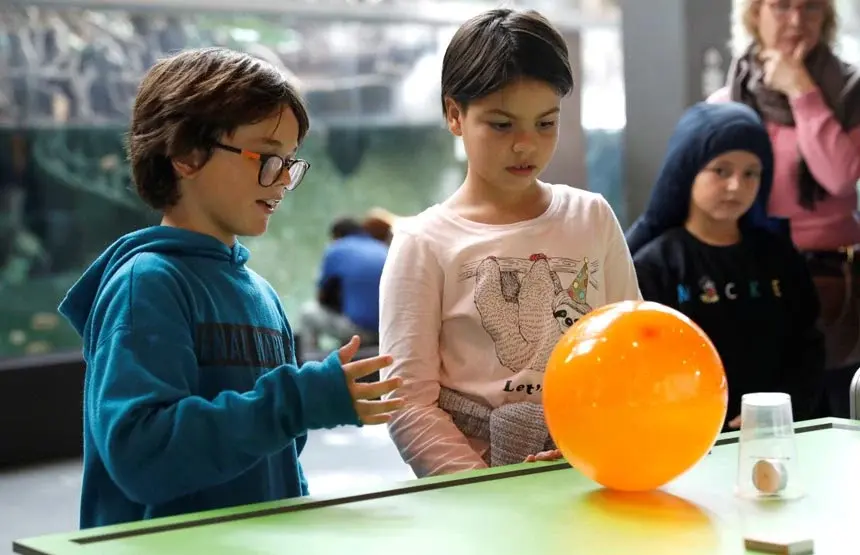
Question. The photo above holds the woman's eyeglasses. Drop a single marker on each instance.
(813, 9)
(272, 166)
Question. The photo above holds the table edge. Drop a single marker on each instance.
(38, 545)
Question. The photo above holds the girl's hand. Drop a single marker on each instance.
(545, 456)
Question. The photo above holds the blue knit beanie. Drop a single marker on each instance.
(704, 132)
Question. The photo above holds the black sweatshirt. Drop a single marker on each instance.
(755, 300)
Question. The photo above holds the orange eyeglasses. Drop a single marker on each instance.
(272, 166)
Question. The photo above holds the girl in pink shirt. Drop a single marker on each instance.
(479, 288)
(810, 102)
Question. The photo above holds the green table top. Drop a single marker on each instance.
(533, 508)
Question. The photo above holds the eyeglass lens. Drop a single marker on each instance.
(272, 168)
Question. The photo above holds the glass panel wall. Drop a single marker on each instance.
(67, 80)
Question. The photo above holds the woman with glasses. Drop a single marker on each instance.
(786, 69)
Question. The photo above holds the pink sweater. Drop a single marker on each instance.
(475, 308)
(833, 157)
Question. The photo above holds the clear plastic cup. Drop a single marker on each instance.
(767, 455)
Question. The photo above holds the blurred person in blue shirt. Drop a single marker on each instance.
(347, 301)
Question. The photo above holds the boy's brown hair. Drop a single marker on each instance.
(186, 102)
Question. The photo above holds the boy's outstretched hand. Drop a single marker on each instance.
(363, 395)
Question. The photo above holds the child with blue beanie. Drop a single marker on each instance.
(706, 247)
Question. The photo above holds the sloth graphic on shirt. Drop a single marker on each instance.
(524, 306)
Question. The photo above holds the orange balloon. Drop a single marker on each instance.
(634, 395)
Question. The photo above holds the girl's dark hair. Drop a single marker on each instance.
(186, 102)
(500, 46)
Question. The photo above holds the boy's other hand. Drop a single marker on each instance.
(364, 395)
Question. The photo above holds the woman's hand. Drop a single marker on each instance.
(787, 73)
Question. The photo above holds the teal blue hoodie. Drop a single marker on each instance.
(192, 397)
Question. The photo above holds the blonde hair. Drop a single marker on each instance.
(745, 30)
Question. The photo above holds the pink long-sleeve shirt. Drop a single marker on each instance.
(833, 157)
(478, 308)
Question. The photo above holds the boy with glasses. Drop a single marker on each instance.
(192, 397)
